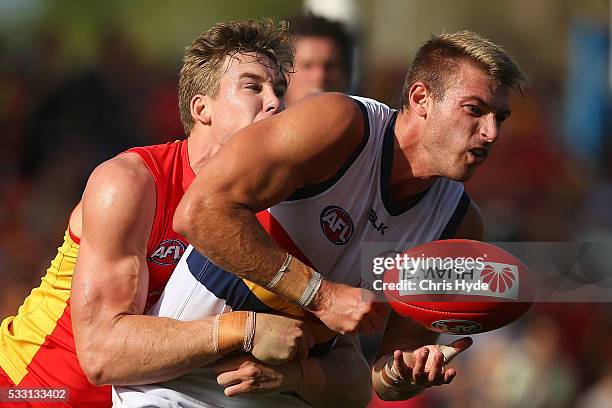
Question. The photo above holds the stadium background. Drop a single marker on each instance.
(81, 81)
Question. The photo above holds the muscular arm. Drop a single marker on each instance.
(261, 166)
(114, 342)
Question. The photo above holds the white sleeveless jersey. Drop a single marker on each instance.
(324, 225)
(330, 222)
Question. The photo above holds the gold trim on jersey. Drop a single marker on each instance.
(22, 336)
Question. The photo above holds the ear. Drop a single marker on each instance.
(418, 97)
(200, 109)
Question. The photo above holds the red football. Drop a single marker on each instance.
(458, 286)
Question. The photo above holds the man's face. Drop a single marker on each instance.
(318, 68)
(464, 125)
(251, 88)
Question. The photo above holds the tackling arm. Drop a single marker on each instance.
(115, 343)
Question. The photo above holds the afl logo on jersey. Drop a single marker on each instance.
(168, 252)
(336, 224)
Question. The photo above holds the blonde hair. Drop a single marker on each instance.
(437, 61)
(204, 59)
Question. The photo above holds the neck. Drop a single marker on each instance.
(410, 172)
(202, 146)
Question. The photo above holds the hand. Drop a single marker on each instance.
(345, 309)
(243, 374)
(425, 367)
(279, 339)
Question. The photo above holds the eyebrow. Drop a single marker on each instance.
(505, 112)
(281, 82)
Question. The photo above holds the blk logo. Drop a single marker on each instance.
(381, 227)
(336, 224)
(456, 326)
(168, 252)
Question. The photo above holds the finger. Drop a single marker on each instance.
(450, 351)
(418, 372)
(399, 367)
(241, 388)
(449, 375)
(228, 378)
(435, 370)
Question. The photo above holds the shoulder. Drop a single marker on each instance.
(124, 177)
(125, 167)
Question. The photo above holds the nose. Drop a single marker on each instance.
(273, 103)
(490, 128)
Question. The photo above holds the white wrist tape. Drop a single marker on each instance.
(249, 333)
(281, 272)
(311, 289)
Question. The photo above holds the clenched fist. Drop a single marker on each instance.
(345, 309)
(279, 339)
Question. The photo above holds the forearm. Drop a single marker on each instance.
(137, 349)
(340, 379)
(242, 246)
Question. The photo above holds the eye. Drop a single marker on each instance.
(474, 110)
(253, 87)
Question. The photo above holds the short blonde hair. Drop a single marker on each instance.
(204, 59)
(437, 61)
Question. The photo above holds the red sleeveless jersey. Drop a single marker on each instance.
(37, 346)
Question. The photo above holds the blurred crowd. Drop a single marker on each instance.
(58, 122)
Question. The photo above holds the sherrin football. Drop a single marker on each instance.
(458, 286)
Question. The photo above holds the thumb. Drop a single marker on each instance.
(450, 351)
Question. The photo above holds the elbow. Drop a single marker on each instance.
(94, 358)
(185, 218)
(94, 368)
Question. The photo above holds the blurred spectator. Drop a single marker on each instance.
(323, 57)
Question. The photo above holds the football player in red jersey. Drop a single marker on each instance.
(120, 248)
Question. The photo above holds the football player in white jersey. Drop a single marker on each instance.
(454, 101)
